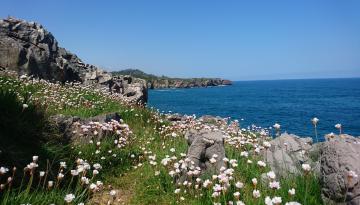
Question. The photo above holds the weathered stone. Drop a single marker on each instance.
(287, 153)
(204, 145)
(69, 126)
(339, 155)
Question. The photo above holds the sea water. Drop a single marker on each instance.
(291, 103)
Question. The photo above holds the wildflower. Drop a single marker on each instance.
(276, 126)
(95, 172)
(25, 106)
(306, 167)
(206, 183)
(292, 203)
(69, 198)
(3, 170)
(240, 203)
(23, 77)
(172, 150)
(291, 192)
(261, 164)
(256, 193)
(32, 165)
(338, 126)
(212, 160)
(112, 192)
(93, 186)
(60, 176)
(237, 195)
(42, 173)
(50, 184)
(352, 174)
(268, 201)
(239, 185)
(274, 185)
(244, 154)
(315, 121)
(74, 172)
(97, 166)
(35, 158)
(63, 165)
(99, 183)
(267, 144)
(271, 175)
(276, 200)
(177, 191)
(254, 181)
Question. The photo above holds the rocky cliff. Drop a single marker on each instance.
(155, 82)
(28, 48)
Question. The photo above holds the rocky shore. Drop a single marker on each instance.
(335, 161)
(161, 82)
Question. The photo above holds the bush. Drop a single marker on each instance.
(21, 129)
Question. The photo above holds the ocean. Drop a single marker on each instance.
(291, 103)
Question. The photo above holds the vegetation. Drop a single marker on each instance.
(134, 161)
(167, 82)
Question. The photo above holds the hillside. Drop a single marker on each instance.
(155, 82)
(86, 146)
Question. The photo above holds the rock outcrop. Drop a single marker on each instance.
(28, 48)
(206, 149)
(287, 153)
(339, 157)
(187, 83)
(335, 162)
(71, 126)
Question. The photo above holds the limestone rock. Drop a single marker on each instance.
(28, 48)
(339, 155)
(204, 145)
(69, 125)
(287, 153)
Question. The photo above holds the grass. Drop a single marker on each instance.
(134, 170)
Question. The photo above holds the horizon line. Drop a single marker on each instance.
(316, 78)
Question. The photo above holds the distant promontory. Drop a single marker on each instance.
(156, 82)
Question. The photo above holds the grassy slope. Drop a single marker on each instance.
(135, 177)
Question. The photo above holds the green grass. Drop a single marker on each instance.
(127, 168)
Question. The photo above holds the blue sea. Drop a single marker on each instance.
(291, 103)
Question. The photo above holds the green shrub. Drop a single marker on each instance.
(21, 129)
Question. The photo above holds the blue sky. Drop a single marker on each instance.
(238, 40)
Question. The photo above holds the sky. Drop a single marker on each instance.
(237, 40)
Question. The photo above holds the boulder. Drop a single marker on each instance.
(287, 153)
(205, 145)
(339, 156)
(69, 125)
